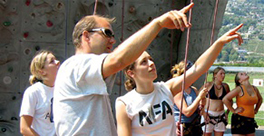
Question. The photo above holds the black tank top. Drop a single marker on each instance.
(213, 96)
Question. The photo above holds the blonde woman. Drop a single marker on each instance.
(190, 108)
(36, 111)
(216, 119)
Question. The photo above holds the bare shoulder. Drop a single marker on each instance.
(225, 84)
(238, 91)
(209, 85)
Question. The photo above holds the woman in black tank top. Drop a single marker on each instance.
(214, 114)
(212, 93)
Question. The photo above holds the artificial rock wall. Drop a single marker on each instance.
(28, 26)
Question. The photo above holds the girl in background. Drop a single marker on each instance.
(190, 108)
(216, 119)
(248, 100)
(36, 109)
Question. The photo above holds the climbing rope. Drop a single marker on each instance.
(185, 62)
(95, 7)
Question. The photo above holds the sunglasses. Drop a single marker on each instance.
(105, 31)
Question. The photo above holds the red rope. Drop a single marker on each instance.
(184, 74)
(172, 36)
(95, 7)
(211, 42)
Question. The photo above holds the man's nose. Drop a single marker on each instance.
(112, 40)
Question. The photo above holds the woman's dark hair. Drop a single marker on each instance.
(237, 79)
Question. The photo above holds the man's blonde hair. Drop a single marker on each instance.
(86, 23)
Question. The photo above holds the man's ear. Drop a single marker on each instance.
(86, 35)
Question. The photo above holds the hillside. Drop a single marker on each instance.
(251, 14)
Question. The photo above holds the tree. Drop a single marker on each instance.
(225, 56)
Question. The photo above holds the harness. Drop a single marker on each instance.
(216, 119)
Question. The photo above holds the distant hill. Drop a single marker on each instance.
(251, 14)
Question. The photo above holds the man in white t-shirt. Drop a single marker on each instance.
(84, 81)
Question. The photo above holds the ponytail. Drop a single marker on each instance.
(33, 79)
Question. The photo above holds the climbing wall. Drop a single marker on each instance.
(28, 26)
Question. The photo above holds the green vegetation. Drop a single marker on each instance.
(251, 53)
(260, 118)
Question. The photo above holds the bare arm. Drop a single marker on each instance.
(227, 91)
(260, 99)
(25, 126)
(227, 100)
(189, 110)
(123, 122)
(204, 62)
(128, 51)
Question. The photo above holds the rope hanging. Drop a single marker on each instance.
(211, 42)
(95, 7)
(184, 74)
(185, 60)
(171, 39)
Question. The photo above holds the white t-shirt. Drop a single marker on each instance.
(37, 104)
(81, 98)
(151, 114)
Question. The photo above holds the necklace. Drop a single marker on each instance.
(217, 87)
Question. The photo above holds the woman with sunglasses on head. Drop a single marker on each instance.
(147, 109)
(36, 108)
(190, 108)
(248, 101)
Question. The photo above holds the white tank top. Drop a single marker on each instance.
(151, 114)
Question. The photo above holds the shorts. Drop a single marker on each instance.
(242, 125)
(192, 129)
(219, 127)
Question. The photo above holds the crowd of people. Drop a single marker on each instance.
(73, 98)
